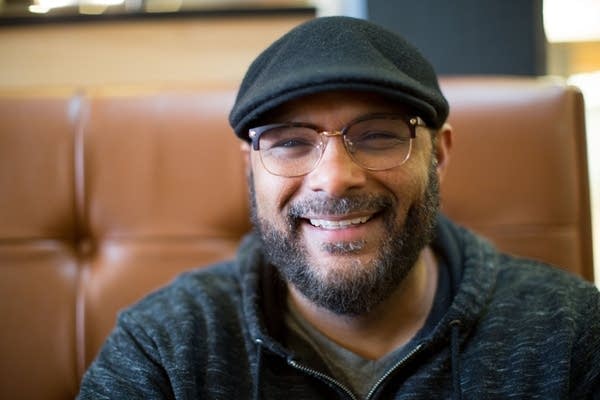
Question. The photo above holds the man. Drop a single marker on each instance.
(353, 286)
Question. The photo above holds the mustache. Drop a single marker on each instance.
(325, 205)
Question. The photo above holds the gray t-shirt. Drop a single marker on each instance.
(357, 373)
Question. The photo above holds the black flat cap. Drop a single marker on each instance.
(338, 53)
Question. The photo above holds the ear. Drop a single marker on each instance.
(443, 145)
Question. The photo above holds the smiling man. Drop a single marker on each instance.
(353, 286)
(347, 197)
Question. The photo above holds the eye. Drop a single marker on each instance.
(290, 143)
(377, 134)
(379, 140)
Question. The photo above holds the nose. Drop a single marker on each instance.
(336, 172)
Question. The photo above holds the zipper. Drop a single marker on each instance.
(321, 376)
(392, 369)
(344, 388)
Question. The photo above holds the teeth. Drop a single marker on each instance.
(329, 224)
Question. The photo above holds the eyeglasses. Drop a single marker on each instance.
(375, 142)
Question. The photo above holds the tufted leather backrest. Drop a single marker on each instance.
(518, 172)
(39, 268)
(109, 193)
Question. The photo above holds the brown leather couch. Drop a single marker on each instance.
(108, 193)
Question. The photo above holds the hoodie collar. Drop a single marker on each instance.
(473, 261)
(263, 294)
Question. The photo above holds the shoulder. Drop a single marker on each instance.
(193, 296)
(184, 326)
(210, 298)
(534, 282)
(541, 309)
(515, 278)
(533, 302)
(523, 292)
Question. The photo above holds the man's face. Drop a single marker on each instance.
(343, 236)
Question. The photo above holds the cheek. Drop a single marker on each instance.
(409, 183)
(408, 188)
(272, 192)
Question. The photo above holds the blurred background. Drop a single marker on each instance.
(79, 43)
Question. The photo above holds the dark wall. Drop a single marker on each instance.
(470, 36)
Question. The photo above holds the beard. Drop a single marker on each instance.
(356, 288)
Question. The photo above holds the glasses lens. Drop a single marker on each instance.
(289, 150)
(379, 143)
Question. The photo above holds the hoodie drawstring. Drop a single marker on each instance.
(257, 374)
(455, 363)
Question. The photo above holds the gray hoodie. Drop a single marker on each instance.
(515, 329)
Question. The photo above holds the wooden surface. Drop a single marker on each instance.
(202, 50)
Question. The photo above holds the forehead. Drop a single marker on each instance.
(335, 105)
